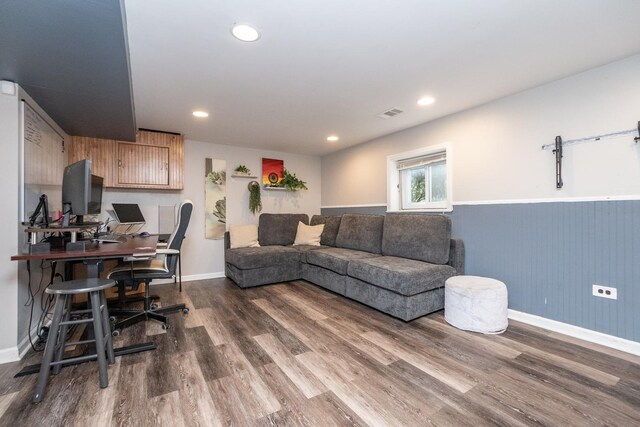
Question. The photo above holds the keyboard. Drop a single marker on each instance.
(111, 238)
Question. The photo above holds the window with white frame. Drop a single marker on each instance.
(420, 180)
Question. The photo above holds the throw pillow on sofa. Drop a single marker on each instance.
(244, 236)
(308, 234)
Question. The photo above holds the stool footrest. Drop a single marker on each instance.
(122, 351)
(76, 321)
(71, 343)
(74, 360)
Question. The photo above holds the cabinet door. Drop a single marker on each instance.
(100, 151)
(141, 164)
(175, 142)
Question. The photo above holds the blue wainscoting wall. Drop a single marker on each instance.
(550, 255)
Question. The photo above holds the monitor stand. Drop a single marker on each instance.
(66, 208)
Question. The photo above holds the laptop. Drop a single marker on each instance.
(130, 218)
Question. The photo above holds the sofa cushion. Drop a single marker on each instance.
(421, 237)
(279, 229)
(401, 275)
(360, 232)
(243, 236)
(263, 256)
(308, 234)
(335, 259)
(331, 226)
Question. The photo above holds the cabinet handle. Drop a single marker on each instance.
(166, 165)
(119, 163)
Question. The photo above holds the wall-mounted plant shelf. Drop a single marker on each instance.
(276, 189)
(244, 176)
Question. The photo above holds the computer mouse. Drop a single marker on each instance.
(145, 234)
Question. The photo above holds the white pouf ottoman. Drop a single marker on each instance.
(475, 303)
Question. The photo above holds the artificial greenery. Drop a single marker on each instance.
(291, 182)
(220, 211)
(243, 169)
(218, 178)
(255, 201)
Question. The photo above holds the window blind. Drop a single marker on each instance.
(422, 160)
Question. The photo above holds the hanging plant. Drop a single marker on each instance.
(255, 201)
(291, 182)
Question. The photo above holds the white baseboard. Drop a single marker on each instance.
(25, 345)
(192, 277)
(611, 341)
(13, 354)
(9, 355)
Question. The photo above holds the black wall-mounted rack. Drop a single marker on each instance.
(558, 145)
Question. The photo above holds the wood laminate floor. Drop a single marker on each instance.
(295, 354)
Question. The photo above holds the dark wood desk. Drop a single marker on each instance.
(95, 254)
(98, 252)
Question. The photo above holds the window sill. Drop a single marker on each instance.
(430, 210)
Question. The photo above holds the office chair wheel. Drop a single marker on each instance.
(115, 333)
(112, 319)
(165, 326)
(185, 311)
(154, 306)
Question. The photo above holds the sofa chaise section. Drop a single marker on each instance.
(275, 260)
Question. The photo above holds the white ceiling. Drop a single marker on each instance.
(330, 66)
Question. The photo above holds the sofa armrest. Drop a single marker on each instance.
(456, 255)
(227, 240)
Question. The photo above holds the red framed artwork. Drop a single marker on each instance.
(272, 172)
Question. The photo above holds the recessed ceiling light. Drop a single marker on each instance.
(332, 138)
(427, 100)
(201, 114)
(245, 32)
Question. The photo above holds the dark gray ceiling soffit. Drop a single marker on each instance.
(72, 58)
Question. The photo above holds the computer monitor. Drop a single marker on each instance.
(95, 202)
(81, 193)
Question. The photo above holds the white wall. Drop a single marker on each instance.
(204, 257)
(496, 147)
(9, 140)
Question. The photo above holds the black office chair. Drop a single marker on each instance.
(136, 271)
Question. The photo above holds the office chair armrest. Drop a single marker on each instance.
(167, 251)
(140, 257)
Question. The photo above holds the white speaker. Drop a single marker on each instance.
(166, 219)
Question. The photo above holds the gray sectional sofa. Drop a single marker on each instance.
(396, 263)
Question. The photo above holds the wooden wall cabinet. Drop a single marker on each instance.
(100, 151)
(154, 161)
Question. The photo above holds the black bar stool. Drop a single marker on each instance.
(56, 342)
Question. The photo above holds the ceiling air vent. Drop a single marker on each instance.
(390, 113)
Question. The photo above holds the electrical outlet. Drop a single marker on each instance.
(605, 292)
